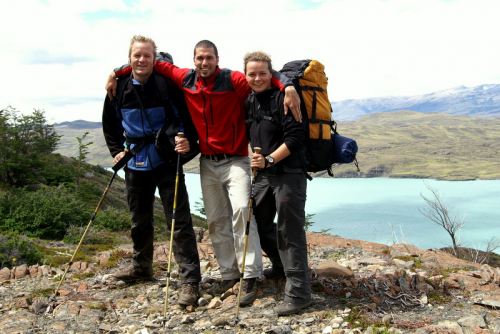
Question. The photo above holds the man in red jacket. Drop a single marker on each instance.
(215, 99)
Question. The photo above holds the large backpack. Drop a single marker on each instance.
(323, 144)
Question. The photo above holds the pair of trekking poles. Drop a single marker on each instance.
(119, 165)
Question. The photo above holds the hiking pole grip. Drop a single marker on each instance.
(247, 232)
(180, 135)
(172, 227)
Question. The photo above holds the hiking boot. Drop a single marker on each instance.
(249, 292)
(189, 294)
(132, 274)
(291, 307)
(223, 287)
(274, 273)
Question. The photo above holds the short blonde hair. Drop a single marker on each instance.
(257, 56)
(141, 39)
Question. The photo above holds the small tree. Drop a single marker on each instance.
(26, 140)
(82, 155)
(437, 211)
(483, 257)
(309, 223)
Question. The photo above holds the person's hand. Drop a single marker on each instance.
(181, 145)
(257, 161)
(292, 102)
(111, 85)
(118, 157)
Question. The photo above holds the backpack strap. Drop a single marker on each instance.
(162, 88)
(313, 118)
(122, 83)
(272, 115)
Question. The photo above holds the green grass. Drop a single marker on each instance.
(418, 145)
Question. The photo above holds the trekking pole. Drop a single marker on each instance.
(247, 230)
(180, 135)
(116, 168)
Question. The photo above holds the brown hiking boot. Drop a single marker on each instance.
(291, 307)
(132, 274)
(249, 292)
(223, 287)
(189, 294)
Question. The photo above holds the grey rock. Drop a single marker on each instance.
(490, 303)
(387, 318)
(451, 324)
(371, 261)
(473, 320)
(187, 319)
(202, 301)
(219, 322)
(280, 330)
(327, 330)
(404, 264)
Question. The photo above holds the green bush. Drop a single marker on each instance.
(89, 193)
(45, 214)
(112, 220)
(94, 237)
(16, 250)
(55, 170)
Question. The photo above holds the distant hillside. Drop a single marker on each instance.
(98, 151)
(395, 144)
(479, 101)
(409, 144)
(68, 146)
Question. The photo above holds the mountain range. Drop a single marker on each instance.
(479, 101)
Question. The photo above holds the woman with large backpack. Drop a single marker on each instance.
(280, 185)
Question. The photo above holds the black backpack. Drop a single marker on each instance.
(164, 139)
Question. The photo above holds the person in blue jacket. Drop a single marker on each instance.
(140, 109)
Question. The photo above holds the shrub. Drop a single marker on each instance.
(89, 193)
(46, 213)
(16, 250)
(112, 220)
(55, 170)
(74, 235)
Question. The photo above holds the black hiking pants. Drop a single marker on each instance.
(141, 187)
(285, 242)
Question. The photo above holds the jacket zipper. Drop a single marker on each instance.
(234, 135)
(205, 117)
(211, 112)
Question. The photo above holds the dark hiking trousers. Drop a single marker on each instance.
(285, 242)
(141, 186)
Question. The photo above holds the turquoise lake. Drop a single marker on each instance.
(363, 209)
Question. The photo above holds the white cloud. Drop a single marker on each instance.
(57, 54)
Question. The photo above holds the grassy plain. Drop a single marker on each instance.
(408, 144)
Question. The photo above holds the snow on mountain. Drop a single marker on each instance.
(479, 101)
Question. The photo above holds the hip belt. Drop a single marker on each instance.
(217, 157)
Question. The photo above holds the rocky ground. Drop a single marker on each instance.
(359, 287)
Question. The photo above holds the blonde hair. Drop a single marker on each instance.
(257, 56)
(141, 39)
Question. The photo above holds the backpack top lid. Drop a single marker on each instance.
(295, 69)
(314, 75)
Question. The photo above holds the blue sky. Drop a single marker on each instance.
(58, 53)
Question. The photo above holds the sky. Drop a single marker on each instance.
(57, 54)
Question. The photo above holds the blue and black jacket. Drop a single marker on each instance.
(123, 116)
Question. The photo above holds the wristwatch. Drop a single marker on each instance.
(270, 160)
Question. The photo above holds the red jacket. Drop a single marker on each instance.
(216, 105)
